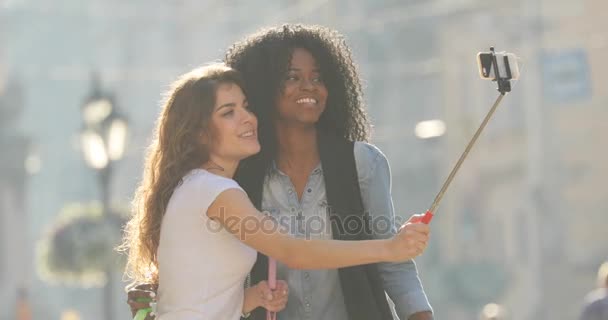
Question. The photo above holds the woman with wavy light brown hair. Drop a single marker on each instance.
(195, 232)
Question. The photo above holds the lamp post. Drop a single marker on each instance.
(103, 140)
(14, 146)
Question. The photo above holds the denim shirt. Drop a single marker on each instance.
(317, 294)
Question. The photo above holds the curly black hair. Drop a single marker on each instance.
(263, 59)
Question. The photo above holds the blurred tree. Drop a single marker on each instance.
(80, 246)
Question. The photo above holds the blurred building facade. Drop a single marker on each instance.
(530, 197)
(523, 223)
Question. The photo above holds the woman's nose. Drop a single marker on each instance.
(249, 117)
(307, 84)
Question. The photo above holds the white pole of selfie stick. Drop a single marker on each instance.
(272, 283)
(504, 86)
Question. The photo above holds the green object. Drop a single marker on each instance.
(142, 313)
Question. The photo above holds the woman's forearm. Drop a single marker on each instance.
(235, 212)
(331, 254)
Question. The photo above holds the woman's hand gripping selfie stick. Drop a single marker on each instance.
(487, 63)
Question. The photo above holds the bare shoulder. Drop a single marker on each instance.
(230, 202)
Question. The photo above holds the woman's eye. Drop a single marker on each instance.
(229, 113)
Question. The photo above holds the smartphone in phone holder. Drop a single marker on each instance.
(498, 66)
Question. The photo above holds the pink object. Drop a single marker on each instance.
(272, 283)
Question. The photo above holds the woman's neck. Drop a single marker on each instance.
(225, 169)
(297, 148)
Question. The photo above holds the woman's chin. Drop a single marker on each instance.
(253, 150)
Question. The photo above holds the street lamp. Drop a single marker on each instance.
(103, 139)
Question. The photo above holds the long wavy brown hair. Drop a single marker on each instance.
(176, 148)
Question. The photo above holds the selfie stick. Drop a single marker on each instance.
(504, 86)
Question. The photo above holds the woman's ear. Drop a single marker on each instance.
(206, 135)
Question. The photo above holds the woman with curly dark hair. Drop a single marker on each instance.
(306, 91)
(317, 175)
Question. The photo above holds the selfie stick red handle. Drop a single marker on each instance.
(426, 218)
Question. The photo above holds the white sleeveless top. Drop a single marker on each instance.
(202, 267)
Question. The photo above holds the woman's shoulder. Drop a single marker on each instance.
(202, 180)
(369, 161)
(367, 153)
